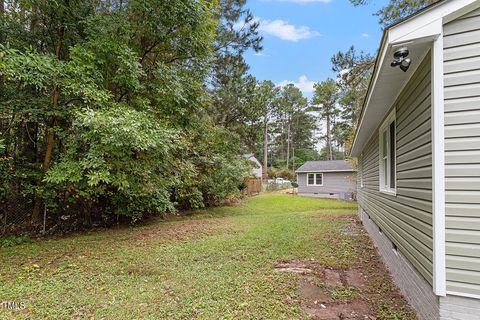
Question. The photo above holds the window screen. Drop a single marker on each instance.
(392, 155)
(387, 149)
(319, 178)
(311, 178)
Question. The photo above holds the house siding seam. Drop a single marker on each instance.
(413, 286)
(462, 154)
(406, 219)
(333, 182)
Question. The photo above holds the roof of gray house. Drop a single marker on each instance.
(330, 165)
(251, 157)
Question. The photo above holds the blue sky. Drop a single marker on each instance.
(300, 37)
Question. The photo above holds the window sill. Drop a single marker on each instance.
(314, 185)
(389, 192)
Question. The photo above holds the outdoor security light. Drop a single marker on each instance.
(405, 64)
(400, 59)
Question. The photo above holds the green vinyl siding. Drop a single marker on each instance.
(405, 218)
(462, 152)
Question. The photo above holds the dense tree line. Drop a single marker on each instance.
(127, 107)
(105, 105)
(119, 107)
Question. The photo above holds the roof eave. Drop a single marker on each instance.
(381, 53)
(424, 25)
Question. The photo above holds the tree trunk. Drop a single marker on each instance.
(293, 138)
(2, 12)
(46, 164)
(28, 149)
(55, 96)
(48, 150)
(87, 215)
(329, 140)
(293, 158)
(288, 143)
(265, 151)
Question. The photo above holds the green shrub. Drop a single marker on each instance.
(13, 241)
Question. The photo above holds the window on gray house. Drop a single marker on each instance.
(319, 179)
(311, 178)
(387, 145)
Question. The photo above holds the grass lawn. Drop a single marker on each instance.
(215, 264)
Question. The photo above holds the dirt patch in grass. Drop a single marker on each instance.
(326, 293)
(310, 292)
(361, 290)
(355, 278)
(184, 230)
(333, 278)
(357, 309)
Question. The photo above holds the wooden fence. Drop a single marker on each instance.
(253, 185)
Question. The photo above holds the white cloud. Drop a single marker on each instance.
(261, 54)
(281, 29)
(299, 1)
(305, 85)
(365, 35)
(285, 31)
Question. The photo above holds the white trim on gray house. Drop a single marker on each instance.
(438, 168)
(315, 179)
(387, 155)
(433, 215)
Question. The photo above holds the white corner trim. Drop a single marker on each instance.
(438, 169)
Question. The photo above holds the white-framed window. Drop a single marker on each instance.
(387, 151)
(314, 179)
(360, 165)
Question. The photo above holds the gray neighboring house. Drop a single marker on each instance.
(418, 149)
(333, 179)
(257, 166)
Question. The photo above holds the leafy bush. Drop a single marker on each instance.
(211, 169)
(112, 116)
(13, 241)
(122, 153)
(281, 173)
